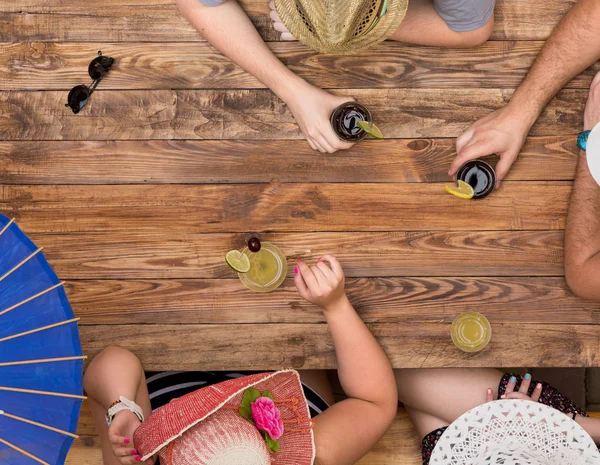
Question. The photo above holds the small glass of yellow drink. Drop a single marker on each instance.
(471, 332)
(268, 268)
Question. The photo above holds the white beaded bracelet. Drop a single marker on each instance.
(124, 404)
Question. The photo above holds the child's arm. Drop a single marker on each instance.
(228, 28)
(349, 429)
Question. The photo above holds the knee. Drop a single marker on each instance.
(478, 36)
(110, 356)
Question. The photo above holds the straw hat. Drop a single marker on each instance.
(515, 432)
(341, 26)
(206, 428)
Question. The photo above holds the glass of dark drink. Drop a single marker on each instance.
(480, 176)
(344, 119)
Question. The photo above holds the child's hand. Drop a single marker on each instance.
(522, 393)
(322, 284)
(120, 434)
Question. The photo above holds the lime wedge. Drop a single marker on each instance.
(463, 190)
(371, 129)
(238, 261)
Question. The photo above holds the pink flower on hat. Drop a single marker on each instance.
(267, 417)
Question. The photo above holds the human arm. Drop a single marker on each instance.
(349, 429)
(573, 46)
(228, 28)
(113, 373)
(582, 236)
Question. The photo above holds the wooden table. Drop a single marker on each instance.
(179, 154)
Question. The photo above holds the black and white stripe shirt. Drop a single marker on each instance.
(163, 387)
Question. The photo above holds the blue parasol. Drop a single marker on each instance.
(41, 362)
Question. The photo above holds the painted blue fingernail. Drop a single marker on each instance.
(512, 379)
(527, 376)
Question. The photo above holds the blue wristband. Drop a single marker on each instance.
(582, 139)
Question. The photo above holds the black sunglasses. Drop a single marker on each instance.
(79, 95)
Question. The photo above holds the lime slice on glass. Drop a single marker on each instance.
(371, 129)
(238, 261)
(463, 190)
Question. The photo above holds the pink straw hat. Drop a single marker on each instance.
(210, 426)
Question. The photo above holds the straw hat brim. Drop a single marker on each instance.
(293, 21)
(171, 421)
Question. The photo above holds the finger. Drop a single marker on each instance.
(272, 4)
(307, 275)
(321, 278)
(312, 144)
(537, 392)
(300, 284)
(117, 440)
(502, 168)
(335, 141)
(323, 142)
(475, 150)
(516, 395)
(465, 138)
(334, 264)
(125, 451)
(524, 389)
(510, 387)
(596, 80)
(287, 36)
(319, 148)
(489, 396)
(329, 274)
(278, 26)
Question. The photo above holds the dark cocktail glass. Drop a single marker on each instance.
(480, 176)
(344, 119)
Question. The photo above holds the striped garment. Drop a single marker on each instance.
(163, 387)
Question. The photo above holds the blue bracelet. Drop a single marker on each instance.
(582, 139)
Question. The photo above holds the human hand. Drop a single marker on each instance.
(120, 435)
(502, 132)
(322, 284)
(592, 108)
(312, 108)
(522, 393)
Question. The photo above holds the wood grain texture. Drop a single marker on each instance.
(110, 20)
(185, 65)
(177, 255)
(282, 207)
(258, 114)
(273, 346)
(182, 162)
(400, 445)
(402, 301)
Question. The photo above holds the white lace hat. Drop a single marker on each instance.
(515, 432)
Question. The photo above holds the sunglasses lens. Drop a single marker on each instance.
(78, 98)
(99, 67)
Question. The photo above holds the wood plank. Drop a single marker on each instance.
(111, 20)
(185, 65)
(273, 346)
(282, 207)
(129, 162)
(400, 446)
(258, 114)
(377, 300)
(86, 450)
(178, 255)
(86, 426)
